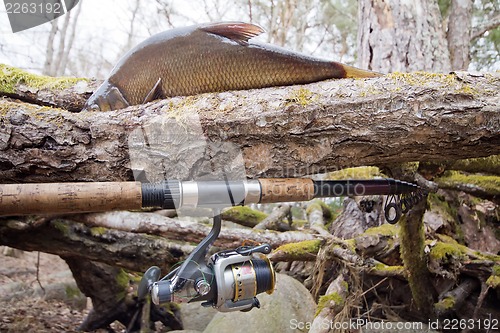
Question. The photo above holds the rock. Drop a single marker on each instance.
(290, 306)
(195, 317)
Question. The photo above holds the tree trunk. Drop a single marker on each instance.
(459, 33)
(397, 36)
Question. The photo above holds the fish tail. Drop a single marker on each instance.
(353, 72)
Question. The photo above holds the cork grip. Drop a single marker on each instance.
(26, 199)
(286, 189)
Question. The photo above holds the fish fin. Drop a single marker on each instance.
(237, 31)
(154, 93)
(114, 100)
(353, 72)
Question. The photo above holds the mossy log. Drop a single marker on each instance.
(331, 304)
(440, 265)
(274, 221)
(485, 165)
(65, 92)
(134, 241)
(481, 186)
(282, 131)
(412, 237)
(65, 237)
(318, 215)
(243, 215)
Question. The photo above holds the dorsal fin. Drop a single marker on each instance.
(237, 31)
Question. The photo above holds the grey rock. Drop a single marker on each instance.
(291, 305)
(195, 317)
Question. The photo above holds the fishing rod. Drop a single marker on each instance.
(229, 280)
(55, 198)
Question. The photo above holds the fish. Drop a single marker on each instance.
(205, 58)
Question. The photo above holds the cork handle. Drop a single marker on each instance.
(26, 199)
(286, 189)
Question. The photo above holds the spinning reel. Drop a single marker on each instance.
(229, 281)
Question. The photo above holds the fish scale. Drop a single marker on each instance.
(208, 58)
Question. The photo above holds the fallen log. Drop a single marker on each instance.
(282, 131)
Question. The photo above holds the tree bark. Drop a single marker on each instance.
(274, 221)
(284, 131)
(64, 237)
(402, 36)
(119, 238)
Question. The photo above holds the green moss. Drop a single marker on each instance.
(323, 207)
(422, 78)
(350, 244)
(485, 255)
(299, 249)
(447, 212)
(72, 292)
(365, 172)
(301, 96)
(123, 280)
(97, 231)
(171, 308)
(327, 300)
(61, 225)
(490, 184)
(495, 270)
(244, 213)
(442, 251)
(389, 230)
(446, 239)
(10, 77)
(299, 223)
(315, 205)
(445, 304)
(436, 81)
(437, 202)
(493, 281)
(412, 249)
(381, 267)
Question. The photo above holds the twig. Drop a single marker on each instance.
(38, 272)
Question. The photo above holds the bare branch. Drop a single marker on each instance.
(491, 24)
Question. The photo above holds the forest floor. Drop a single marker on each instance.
(26, 307)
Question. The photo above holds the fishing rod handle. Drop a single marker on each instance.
(58, 198)
(286, 189)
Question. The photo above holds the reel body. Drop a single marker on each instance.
(228, 282)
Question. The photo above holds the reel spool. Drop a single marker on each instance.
(240, 278)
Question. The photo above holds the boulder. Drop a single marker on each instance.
(290, 307)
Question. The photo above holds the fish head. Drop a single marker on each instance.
(106, 98)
